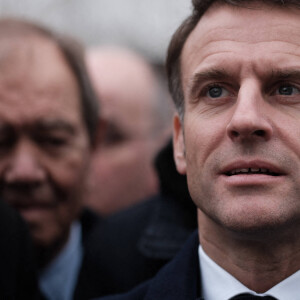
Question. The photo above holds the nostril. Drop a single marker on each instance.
(235, 133)
(246, 133)
(259, 132)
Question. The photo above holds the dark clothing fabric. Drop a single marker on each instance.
(134, 244)
(122, 263)
(18, 273)
(179, 279)
(88, 284)
(174, 214)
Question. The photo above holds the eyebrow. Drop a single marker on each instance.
(212, 74)
(285, 74)
(223, 75)
(54, 125)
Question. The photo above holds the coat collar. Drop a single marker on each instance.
(180, 279)
(170, 225)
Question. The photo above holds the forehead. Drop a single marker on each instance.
(231, 36)
(126, 89)
(134, 116)
(35, 79)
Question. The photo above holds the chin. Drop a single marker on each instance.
(261, 228)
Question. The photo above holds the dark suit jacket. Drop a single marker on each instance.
(179, 279)
(88, 284)
(18, 278)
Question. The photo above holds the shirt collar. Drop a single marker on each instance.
(217, 284)
(58, 280)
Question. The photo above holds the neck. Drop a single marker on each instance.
(259, 261)
(47, 253)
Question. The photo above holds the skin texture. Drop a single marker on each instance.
(122, 171)
(44, 145)
(240, 75)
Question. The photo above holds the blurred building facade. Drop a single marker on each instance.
(142, 25)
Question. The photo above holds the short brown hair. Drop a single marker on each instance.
(73, 53)
(182, 33)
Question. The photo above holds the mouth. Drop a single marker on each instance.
(252, 168)
(250, 171)
(21, 206)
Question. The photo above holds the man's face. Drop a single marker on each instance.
(240, 142)
(122, 171)
(43, 141)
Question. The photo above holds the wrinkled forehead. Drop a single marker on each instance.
(19, 52)
(33, 62)
(247, 23)
(226, 29)
(33, 70)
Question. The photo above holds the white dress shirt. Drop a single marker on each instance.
(217, 284)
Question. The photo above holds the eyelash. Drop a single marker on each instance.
(273, 90)
(204, 91)
(279, 85)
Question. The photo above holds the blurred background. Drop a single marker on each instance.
(145, 26)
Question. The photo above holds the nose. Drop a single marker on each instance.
(250, 119)
(24, 166)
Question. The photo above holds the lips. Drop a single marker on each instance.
(33, 205)
(29, 201)
(252, 168)
(251, 171)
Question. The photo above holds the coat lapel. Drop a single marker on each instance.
(180, 279)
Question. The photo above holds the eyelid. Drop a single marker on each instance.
(226, 87)
(52, 139)
(274, 88)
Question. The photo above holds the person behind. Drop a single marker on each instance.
(137, 120)
(150, 232)
(233, 69)
(48, 127)
(18, 273)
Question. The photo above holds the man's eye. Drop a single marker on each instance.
(216, 92)
(52, 141)
(113, 137)
(6, 142)
(55, 141)
(288, 90)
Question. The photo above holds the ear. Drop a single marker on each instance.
(178, 145)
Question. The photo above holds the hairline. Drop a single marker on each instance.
(174, 66)
(72, 53)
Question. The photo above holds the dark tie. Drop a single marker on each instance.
(251, 297)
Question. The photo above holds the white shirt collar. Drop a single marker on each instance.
(217, 284)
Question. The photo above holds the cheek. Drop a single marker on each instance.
(204, 137)
(289, 134)
(202, 145)
(122, 158)
(70, 170)
(199, 142)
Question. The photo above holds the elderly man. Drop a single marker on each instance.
(233, 70)
(137, 119)
(48, 126)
